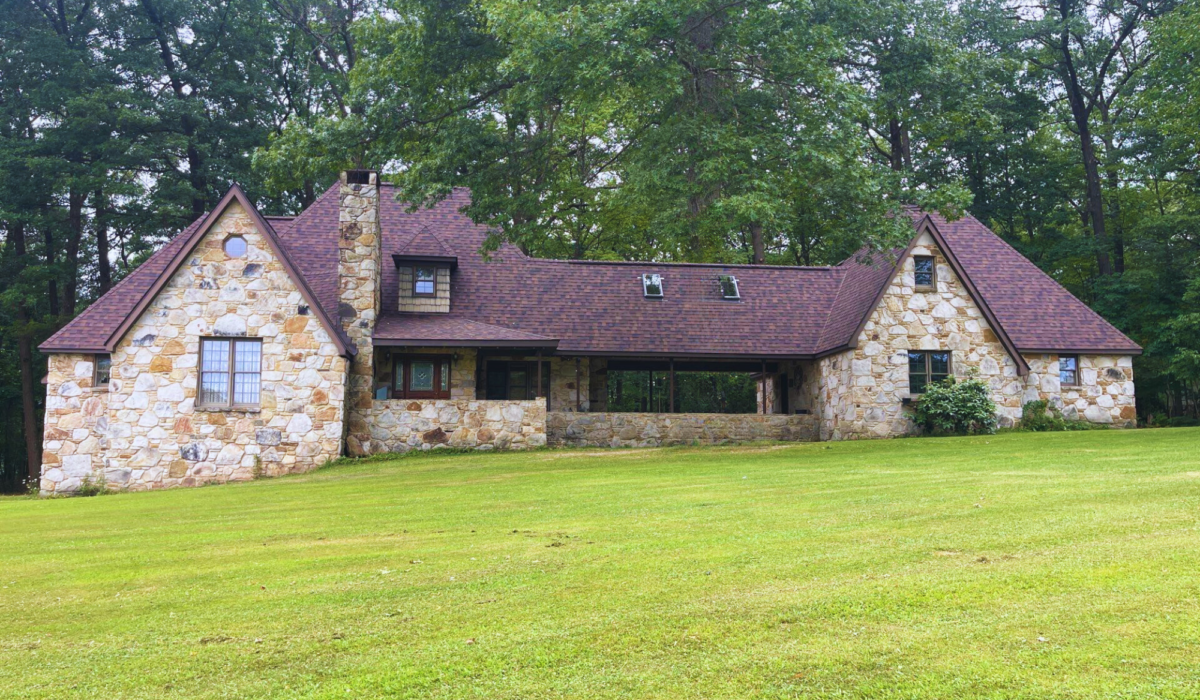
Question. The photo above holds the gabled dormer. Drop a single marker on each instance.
(423, 268)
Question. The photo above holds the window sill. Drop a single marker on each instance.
(229, 409)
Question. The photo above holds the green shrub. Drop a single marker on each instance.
(957, 408)
(1040, 417)
(89, 487)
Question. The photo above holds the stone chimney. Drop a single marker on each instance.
(359, 261)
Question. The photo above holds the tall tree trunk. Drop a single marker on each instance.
(30, 423)
(1114, 192)
(901, 150)
(75, 199)
(756, 243)
(103, 265)
(52, 278)
(1081, 114)
(29, 412)
(195, 160)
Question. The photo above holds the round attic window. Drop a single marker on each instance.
(235, 246)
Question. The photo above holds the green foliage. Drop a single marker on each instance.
(957, 408)
(92, 487)
(1041, 417)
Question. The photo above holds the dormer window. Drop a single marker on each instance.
(923, 271)
(652, 286)
(729, 287)
(424, 281)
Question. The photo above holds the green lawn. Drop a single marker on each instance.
(1059, 565)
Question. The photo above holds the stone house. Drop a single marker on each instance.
(254, 345)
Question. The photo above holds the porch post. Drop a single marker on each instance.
(763, 381)
(578, 388)
(538, 392)
(671, 402)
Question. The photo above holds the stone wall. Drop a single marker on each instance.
(359, 296)
(403, 425)
(660, 429)
(1105, 393)
(145, 431)
(861, 390)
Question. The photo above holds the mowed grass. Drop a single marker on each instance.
(1026, 565)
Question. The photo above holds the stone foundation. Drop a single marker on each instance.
(661, 429)
(402, 425)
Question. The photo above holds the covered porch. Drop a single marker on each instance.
(481, 386)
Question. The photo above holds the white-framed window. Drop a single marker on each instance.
(230, 372)
(652, 285)
(424, 281)
(729, 287)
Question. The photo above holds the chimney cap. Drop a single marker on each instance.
(359, 176)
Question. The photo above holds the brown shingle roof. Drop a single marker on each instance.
(598, 307)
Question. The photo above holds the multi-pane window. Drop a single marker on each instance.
(729, 287)
(923, 271)
(103, 367)
(516, 381)
(230, 371)
(424, 281)
(1068, 370)
(421, 377)
(927, 367)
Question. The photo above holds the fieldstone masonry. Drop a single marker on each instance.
(861, 390)
(144, 431)
(359, 291)
(401, 425)
(661, 429)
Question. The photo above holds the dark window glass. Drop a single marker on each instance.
(925, 367)
(652, 285)
(103, 370)
(515, 381)
(424, 281)
(1068, 370)
(923, 271)
(917, 376)
(420, 378)
(729, 287)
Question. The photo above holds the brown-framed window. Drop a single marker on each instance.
(923, 272)
(424, 281)
(102, 366)
(421, 376)
(230, 372)
(926, 367)
(515, 381)
(1068, 370)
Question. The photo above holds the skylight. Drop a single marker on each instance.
(652, 285)
(729, 287)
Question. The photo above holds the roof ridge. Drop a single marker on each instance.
(633, 263)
